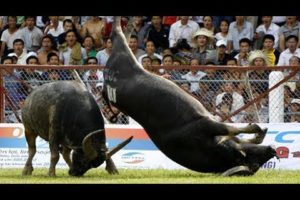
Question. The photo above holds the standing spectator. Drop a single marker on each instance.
(182, 29)
(94, 27)
(55, 28)
(140, 29)
(9, 35)
(158, 33)
(238, 30)
(291, 27)
(267, 27)
(31, 35)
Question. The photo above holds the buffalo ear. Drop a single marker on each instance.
(91, 141)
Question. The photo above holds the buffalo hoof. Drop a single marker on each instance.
(238, 171)
(51, 173)
(27, 171)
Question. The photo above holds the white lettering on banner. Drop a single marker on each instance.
(111, 93)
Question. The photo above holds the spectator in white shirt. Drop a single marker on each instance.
(184, 28)
(292, 50)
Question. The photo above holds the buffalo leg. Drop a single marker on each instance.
(250, 128)
(54, 151)
(65, 151)
(30, 138)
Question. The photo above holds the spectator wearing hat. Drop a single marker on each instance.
(268, 49)
(30, 75)
(267, 27)
(221, 52)
(203, 51)
(258, 59)
(183, 28)
(292, 50)
(295, 110)
(237, 30)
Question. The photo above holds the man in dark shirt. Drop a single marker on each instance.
(158, 33)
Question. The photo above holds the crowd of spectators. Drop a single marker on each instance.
(259, 41)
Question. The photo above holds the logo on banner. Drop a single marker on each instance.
(284, 136)
(133, 157)
(296, 154)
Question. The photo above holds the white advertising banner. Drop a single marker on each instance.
(141, 153)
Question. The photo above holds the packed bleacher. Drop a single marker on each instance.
(241, 41)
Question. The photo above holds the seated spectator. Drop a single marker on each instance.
(133, 45)
(292, 50)
(258, 78)
(150, 51)
(48, 45)
(203, 51)
(243, 55)
(222, 56)
(224, 108)
(223, 34)
(238, 100)
(194, 76)
(32, 77)
(104, 54)
(295, 110)
(268, 49)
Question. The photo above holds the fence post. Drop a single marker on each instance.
(276, 98)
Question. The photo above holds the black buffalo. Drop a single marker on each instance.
(66, 114)
(175, 121)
